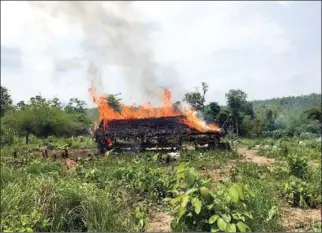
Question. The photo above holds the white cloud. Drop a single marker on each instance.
(228, 44)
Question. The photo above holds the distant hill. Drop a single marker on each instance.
(297, 103)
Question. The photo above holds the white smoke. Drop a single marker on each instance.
(112, 34)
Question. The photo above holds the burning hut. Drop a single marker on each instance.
(149, 128)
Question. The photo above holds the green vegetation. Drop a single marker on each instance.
(119, 192)
(202, 191)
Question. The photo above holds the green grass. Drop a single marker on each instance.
(102, 193)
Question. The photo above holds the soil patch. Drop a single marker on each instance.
(314, 164)
(251, 155)
(160, 222)
(218, 175)
(300, 220)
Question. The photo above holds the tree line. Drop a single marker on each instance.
(276, 118)
(283, 117)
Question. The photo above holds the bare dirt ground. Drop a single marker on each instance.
(253, 157)
(220, 174)
(299, 220)
(314, 164)
(160, 222)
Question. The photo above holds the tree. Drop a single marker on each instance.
(197, 99)
(314, 113)
(224, 117)
(21, 104)
(55, 102)
(248, 110)
(204, 87)
(21, 121)
(269, 120)
(236, 99)
(211, 111)
(5, 100)
(114, 103)
(75, 106)
(42, 118)
(194, 99)
(78, 108)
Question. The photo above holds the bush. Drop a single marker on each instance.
(196, 208)
(298, 166)
(299, 193)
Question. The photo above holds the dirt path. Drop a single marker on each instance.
(160, 222)
(299, 220)
(252, 156)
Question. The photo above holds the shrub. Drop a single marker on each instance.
(298, 165)
(299, 193)
(196, 208)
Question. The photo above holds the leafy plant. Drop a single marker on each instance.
(141, 218)
(298, 165)
(25, 223)
(197, 208)
(298, 193)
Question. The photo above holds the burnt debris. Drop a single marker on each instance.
(162, 133)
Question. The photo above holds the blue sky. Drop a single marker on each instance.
(267, 49)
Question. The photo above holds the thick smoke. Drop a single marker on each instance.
(112, 35)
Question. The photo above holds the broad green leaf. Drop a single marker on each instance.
(238, 216)
(141, 223)
(190, 176)
(221, 224)
(181, 167)
(271, 213)
(182, 211)
(214, 228)
(28, 229)
(8, 230)
(240, 191)
(231, 227)
(191, 191)
(155, 157)
(184, 201)
(248, 214)
(233, 193)
(207, 183)
(209, 207)
(175, 200)
(213, 218)
(205, 194)
(243, 227)
(228, 198)
(196, 203)
(226, 217)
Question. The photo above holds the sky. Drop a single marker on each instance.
(267, 49)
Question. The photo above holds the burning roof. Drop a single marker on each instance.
(107, 113)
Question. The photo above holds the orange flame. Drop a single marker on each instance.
(109, 142)
(106, 112)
